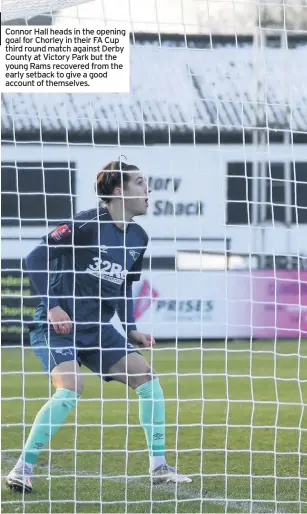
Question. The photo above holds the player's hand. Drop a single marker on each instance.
(60, 320)
(145, 340)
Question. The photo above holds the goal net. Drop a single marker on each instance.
(217, 122)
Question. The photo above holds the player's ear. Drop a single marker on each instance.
(117, 191)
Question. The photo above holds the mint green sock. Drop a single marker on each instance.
(152, 415)
(49, 419)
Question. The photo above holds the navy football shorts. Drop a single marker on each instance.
(97, 349)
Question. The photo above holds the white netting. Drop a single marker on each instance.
(217, 120)
(13, 10)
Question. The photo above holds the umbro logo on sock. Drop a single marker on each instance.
(158, 436)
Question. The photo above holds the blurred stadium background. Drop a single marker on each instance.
(217, 120)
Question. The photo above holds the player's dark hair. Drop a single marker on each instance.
(114, 174)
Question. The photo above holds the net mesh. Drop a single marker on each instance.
(218, 99)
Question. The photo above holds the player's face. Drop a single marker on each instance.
(136, 194)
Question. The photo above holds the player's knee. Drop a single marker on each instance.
(146, 375)
(75, 385)
(71, 383)
(151, 390)
(67, 376)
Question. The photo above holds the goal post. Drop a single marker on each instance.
(216, 120)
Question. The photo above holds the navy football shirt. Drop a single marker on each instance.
(87, 266)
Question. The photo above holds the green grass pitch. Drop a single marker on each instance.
(240, 427)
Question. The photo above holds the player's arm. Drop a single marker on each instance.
(125, 307)
(52, 246)
(125, 304)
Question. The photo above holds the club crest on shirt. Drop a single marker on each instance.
(64, 351)
(135, 255)
(61, 232)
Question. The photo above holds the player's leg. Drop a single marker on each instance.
(120, 361)
(133, 369)
(59, 359)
